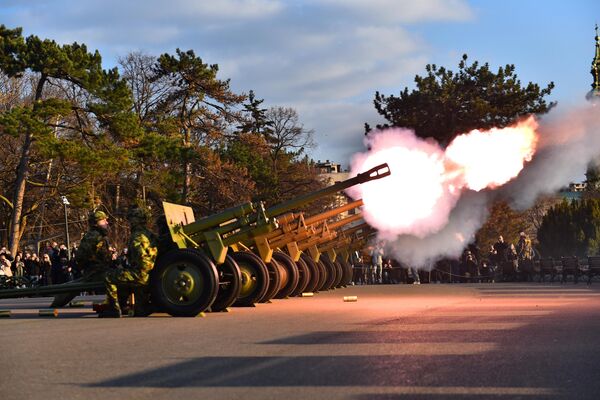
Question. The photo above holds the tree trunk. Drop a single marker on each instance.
(187, 168)
(21, 182)
(19, 195)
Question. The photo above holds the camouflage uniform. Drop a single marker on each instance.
(93, 257)
(143, 248)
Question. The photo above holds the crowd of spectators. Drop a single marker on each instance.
(53, 264)
(502, 262)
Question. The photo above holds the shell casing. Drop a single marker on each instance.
(53, 312)
(348, 299)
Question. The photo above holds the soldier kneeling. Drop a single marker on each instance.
(143, 248)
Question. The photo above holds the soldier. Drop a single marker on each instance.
(93, 255)
(142, 251)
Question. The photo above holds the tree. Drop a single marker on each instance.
(198, 105)
(445, 104)
(256, 120)
(287, 133)
(501, 221)
(100, 94)
(571, 228)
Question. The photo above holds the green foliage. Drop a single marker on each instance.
(169, 130)
(571, 228)
(445, 104)
(256, 120)
(502, 221)
(251, 152)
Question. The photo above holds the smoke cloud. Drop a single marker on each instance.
(568, 142)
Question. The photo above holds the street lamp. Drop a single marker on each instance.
(66, 203)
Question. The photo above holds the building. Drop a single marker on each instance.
(594, 94)
(331, 173)
(328, 167)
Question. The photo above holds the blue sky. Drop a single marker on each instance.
(326, 58)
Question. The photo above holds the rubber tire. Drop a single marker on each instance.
(230, 285)
(274, 281)
(331, 275)
(348, 272)
(198, 263)
(293, 275)
(340, 275)
(315, 273)
(303, 278)
(343, 271)
(251, 263)
(323, 274)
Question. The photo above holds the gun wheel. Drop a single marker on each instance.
(230, 284)
(184, 283)
(303, 278)
(291, 272)
(315, 273)
(331, 273)
(255, 278)
(323, 276)
(274, 281)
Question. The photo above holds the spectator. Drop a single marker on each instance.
(5, 266)
(18, 266)
(414, 272)
(34, 268)
(57, 270)
(470, 266)
(501, 248)
(46, 270)
(67, 271)
(511, 265)
(357, 273)
(377, 262)
(525, 253)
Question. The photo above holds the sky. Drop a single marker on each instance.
(327, 58)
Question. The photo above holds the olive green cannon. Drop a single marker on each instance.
(291, 273)
(226, 259)
(219, 260)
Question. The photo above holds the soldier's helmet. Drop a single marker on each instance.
(137, 215)
(96, 216)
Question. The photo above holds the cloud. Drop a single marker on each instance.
(308, 54)
(406, 11)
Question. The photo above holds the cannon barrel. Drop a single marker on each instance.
(50, 290)
(378, 172)
(213, 221)
(299, 221)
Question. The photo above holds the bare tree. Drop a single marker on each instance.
(288, 134)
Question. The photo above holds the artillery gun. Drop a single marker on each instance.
(282, 248)
(208, 263)
(221, 247)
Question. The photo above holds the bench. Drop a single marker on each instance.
(570, 266)
(593, 268)
(547, 267)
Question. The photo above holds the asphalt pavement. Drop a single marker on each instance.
(472, 341)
